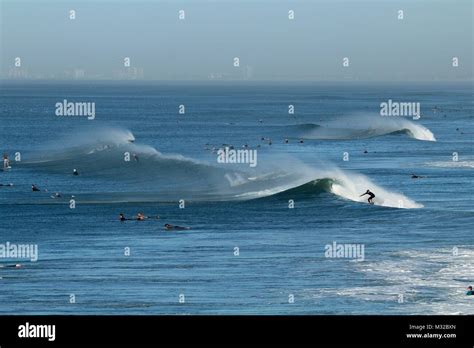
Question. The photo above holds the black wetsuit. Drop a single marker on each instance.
(371, 196)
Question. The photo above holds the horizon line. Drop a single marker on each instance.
(250, 81)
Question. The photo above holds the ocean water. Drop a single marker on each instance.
(247, 252)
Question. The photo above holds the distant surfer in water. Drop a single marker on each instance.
(413, 176)
(139, 217)
(142, 217)
(170, 227)
(35, 188)
(6, 162)
(9, 185)
(469, 291)
(75, 172)
(371, 196)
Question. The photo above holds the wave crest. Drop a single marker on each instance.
(364, 126)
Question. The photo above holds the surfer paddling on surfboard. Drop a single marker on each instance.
(371, 196)
(143, 217)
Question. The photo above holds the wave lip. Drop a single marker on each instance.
(364, 126)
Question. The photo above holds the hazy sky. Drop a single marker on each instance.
(270, 46)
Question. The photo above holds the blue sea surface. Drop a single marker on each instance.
(247, 252)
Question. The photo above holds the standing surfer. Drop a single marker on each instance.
(371, 196)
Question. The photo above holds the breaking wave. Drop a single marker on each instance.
(150, 175)
(363, 126)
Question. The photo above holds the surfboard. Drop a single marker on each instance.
(16, 265)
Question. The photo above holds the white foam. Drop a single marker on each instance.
(417, 275)
(352, 185)
(451, 164)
